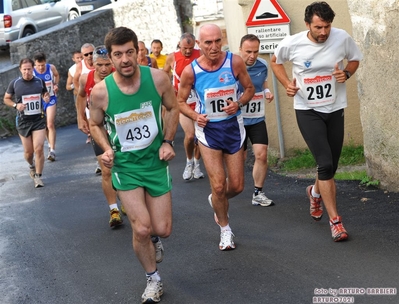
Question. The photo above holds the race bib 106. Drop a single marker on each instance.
(33, 104)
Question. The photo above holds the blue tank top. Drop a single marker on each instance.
(48, 78)
(258, 73)
(213, 88)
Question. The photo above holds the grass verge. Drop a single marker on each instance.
(351, 155)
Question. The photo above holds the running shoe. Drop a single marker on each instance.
(115, 218)
(316, 209)
(188, 172)
(98, 169)
(338, 231)
(159, 252)
(261, 200)
(197, 172)
(32, 171)
(153, 291)
(51, 156)
(123, 210)
(226, 240)
(38, 181)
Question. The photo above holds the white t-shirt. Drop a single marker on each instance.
(313, 64)
(72, 70)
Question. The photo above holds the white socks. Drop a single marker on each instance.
(314, 194)
(113, 206)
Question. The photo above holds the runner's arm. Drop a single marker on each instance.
(76, 76)
(56, 79)
(268, 95)
(169, 101)
(154, 63)
(279, 72)
(244, 79)
(186, 83)
(69, 83)
(81, 102)
(281, 75)
(98, 104)
(169, 63)
(8, 100)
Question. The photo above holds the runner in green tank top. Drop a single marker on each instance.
(137, 146)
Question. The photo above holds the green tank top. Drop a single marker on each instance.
(134, 125)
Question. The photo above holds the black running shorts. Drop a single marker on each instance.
(26, 127)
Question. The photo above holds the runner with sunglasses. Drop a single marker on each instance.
(84, 67)
(103, 67)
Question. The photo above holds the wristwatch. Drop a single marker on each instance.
(348, 74)
(15, 106)
(170, 142)
(239, 104)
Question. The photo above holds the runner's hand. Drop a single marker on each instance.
(339, 75)
(108, 158)
(46, 97)
(292, 88)
(202, 120)
(83, 125)
(232, 107)
(166, 152)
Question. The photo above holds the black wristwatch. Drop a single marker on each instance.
(348, 74)
(170, 142)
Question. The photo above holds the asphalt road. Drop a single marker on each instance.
(56, 246)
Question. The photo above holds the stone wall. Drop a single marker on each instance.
(376, 30)
(146, 18)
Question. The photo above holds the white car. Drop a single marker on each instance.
(21, 18)
(90, 5)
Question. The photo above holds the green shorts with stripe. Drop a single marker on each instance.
(155, 182)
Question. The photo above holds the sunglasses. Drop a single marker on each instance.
(87, 54)
(101, 51)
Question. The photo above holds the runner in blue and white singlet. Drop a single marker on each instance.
(49, 74)
(214, 89)
(218, 121)
(48, 77)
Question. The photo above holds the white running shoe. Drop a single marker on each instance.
(38, 181)
(197, 172)
(98, 169)
(226, 240)
(261, 200)
(51, 156)
(159, 252)
(188, 172)
(153, 291)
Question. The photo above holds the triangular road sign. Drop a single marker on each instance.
(266, 12)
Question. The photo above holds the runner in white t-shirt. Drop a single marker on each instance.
(76, 57)
(319, 91)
